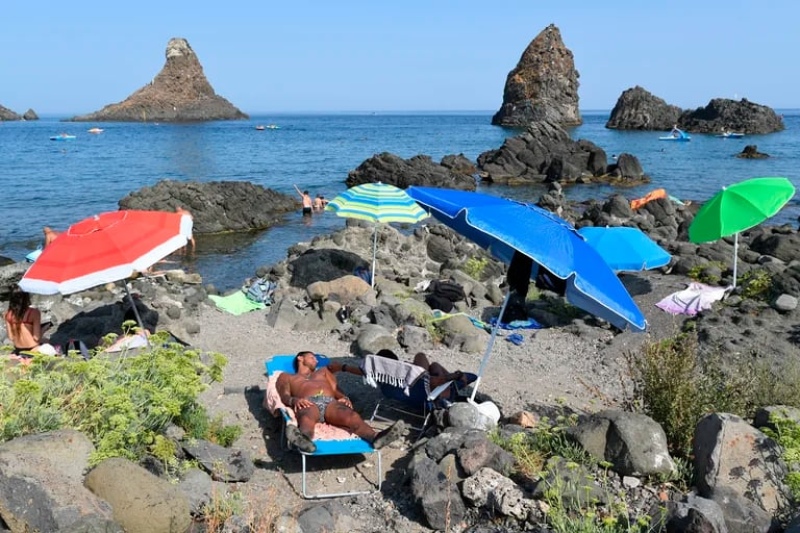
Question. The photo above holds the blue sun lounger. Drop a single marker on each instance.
(284, 363)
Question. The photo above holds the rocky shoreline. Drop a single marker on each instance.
(574, 365)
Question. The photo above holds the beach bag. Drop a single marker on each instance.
(449, 290)
(443, 294)
(261, 290)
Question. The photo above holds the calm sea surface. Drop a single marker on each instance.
(57, 183)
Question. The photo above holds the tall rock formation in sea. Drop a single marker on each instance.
(179, 93)
(7, 114)
(543, 86)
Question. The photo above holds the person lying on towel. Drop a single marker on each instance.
(314, 395)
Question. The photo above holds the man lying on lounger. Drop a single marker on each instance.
(314, 396)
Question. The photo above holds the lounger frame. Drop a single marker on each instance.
(324, 447)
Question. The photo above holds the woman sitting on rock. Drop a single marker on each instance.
(24, 325)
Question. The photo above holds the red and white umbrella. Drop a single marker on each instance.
(106, 248)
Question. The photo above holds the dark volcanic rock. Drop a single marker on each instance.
(217, 206)
(723, 114)
(179, 93)
(543, 85)
(30, 114)
(751, 152)
(638, 109)
(419, 170)
(546, 153)
(7, 114)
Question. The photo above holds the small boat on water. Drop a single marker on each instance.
(62, 137)
(676, 135)
(273, 127)
(731, 135)
(260, 128)
(95, 130)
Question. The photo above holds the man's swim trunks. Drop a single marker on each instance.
(322, 403)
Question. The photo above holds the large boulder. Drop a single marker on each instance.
(216, 206)
(179, 93)
(452, 173)
(41, 485)
(638, 109)
(543, 85)
(142, 502)
(547, 153)
(30, 114)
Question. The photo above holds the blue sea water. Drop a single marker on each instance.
(56, 183)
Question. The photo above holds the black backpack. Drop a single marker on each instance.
(442, 294)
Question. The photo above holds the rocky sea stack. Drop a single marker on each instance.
(179, 93)
(638, 109)
(7, 114)
(543, 85)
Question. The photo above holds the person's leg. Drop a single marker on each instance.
(306, 420)
(338, 414)
(422, 360)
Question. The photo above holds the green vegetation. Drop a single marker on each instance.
(756, 284)
(787, 435)
(571, 508)
(121, 402)
(474, 267)
(703, 274)
(676, 388)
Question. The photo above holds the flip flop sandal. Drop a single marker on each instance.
(389, 435)
(299, 440)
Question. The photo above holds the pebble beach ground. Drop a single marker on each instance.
(581, 367)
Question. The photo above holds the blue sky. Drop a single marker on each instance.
(313, 56)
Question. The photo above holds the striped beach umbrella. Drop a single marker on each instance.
(378, 203)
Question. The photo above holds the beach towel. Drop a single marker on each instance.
(695, 298)
(528, 323)
(649, 197)
(395, 373)
(127, 342)
(236, 303)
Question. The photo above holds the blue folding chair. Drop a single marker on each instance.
(284, 363)
(393, 382)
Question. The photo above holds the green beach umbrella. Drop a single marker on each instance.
(739, 207)
(378, 203)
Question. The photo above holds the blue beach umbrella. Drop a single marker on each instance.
(531, 240)
(625, 249)
(378, 203)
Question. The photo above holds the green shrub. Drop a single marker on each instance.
(787, 435)
(532, 448)
(756, 284)
(701, 272)
(474, 267)
(676, 389)
(120, 403)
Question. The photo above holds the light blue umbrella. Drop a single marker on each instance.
(379, 203)
(514, 230)
(625, 248)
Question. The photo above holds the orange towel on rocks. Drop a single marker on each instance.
(652, 195)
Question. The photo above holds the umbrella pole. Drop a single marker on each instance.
(735, 255)
(489, 346)
(374, 249)
(135, 311)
